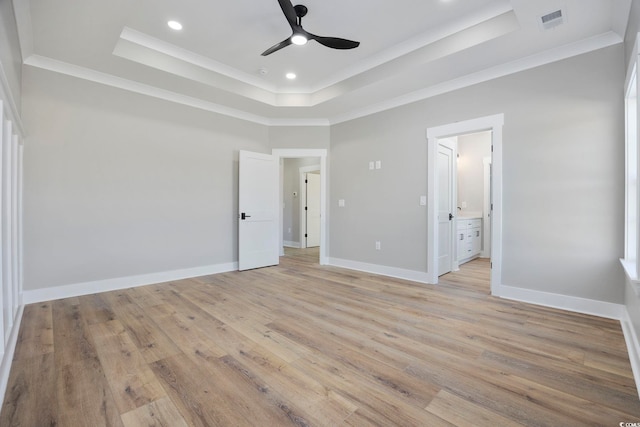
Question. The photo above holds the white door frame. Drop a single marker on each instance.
(493, 123)
(486, 208)
(303, 197)
(297, 153)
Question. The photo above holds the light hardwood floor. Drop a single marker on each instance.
(305, 345)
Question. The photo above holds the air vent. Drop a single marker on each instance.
(551, 20)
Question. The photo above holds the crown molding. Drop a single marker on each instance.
(547, 57)
(60, 67)
(299, 122)
(594, 43)
(190, 57)
(493, 11)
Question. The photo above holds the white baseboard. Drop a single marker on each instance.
(564, 302)
(86, 288)
(400, 273)
(291, 244)
(9, 350)
(633, 346)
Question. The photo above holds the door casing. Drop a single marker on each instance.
(493, 123)
(297, 153)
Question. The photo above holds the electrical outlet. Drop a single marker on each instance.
(378, 246)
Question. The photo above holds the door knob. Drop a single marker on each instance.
(450, 217)
(244, 216)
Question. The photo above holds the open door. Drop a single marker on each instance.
(257, 211)
(446, 204)
(312, 210)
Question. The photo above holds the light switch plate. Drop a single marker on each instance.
(371, 166)
(341, 203)
(423, 200)
(378, 164)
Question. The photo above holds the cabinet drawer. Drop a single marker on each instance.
(463, 224)
(474, 223)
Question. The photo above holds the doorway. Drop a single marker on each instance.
(434, 135)
(464, 197)
(290, 198)
(310, 207)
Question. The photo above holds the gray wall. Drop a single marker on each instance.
(117, 184)
(563, 179)
(10, 56)
(310, 137)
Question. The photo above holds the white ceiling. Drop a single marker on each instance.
(409, 49)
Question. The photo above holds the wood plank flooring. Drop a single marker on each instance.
(306, 345)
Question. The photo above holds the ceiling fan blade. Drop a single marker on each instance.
(289, 11)
(335, 42)
(276, 47)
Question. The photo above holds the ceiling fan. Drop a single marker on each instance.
(294, 15)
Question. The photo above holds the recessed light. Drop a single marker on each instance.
(291, 76)
(174, 25)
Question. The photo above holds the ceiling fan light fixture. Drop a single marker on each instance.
(299, 39)
(300, 36)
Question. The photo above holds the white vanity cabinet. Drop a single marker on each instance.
(469, 239)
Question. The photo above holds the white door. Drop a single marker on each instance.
(257, 211)
(313, 210)
(446, 204)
